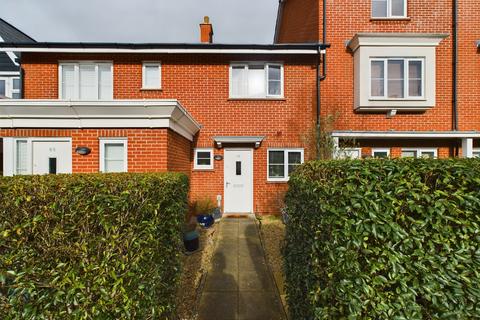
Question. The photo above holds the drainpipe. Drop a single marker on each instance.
(322, 63)
(455, 71)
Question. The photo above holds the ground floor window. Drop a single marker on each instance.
(282, 162)
(381, 153)
(476, 153)
(113, 155)
(428, 153)
(203, 159)
(349, 153)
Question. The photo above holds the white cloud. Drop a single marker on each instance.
(234, 21)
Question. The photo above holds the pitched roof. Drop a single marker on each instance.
(9, 33)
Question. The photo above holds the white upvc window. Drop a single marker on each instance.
(10, 87)
(389, 9)
(397, 78)
(113, 155)
(349, 153)
(151, 75)
(476, 153)
(381, 153)
(86, 80)
(428, 153)
(282, 162)
(203, 159)
(256, 80)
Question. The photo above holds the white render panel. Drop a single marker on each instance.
(362, 78)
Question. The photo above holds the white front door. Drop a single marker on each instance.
(238, 176)
(51, 157)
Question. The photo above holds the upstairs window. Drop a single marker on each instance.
(389, 8)
(10, 87)
(86, 81)
(151, 75)
(256, 80)
(396, 78)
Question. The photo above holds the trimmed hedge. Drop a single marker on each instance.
(90, 246)
(384, 239)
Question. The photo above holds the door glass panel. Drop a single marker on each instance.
(238, 168)
(52, 165)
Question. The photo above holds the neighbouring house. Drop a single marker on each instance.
(402, 76)
(232, 117)
(10, 83)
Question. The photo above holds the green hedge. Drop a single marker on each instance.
(384, 239)
(90, 246)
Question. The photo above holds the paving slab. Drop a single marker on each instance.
(239, 285)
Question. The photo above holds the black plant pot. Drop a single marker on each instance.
(191, 240)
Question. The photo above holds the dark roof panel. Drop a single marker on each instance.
(6, 63)
(11, 34)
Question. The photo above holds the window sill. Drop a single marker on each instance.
(203, 170)
(391, 19)
(150, 89)
(257, 99)
(277, 181)
(397, 100)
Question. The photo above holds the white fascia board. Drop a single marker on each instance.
(98, 114)
(406, 135)
(396, 40)
(200, 51)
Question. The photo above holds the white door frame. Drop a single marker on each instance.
(225, 150)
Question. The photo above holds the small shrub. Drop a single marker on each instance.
(384, 239)
(90, 246)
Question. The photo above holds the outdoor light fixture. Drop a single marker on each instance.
(83, 151)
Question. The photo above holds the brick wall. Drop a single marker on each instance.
(300, 21)
(179, 153)
(201, 84)
(346, 18)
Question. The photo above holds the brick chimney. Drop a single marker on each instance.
(206, 31)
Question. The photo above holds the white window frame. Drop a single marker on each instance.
(156, 64)
(29, 141)
(389, 11)
(476, 151)
(266, 65)
(342, 153)
(406, 83)
(286, 177)
(386, 150)
(197, 166)
(419, 151)
(9, 91)
(76, 65)
(103, 142)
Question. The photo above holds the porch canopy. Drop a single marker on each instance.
(255, 140)
(42, 114)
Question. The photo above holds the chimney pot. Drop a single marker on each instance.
(206, 31)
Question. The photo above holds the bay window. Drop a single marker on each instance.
(396, 78)
(86, 81)
(282, 162)
(256, 80)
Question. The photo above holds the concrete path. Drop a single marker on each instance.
(239, 285)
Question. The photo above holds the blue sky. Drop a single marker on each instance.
(234, 21)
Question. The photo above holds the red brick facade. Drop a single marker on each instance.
(347, 18)
(201, 84)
